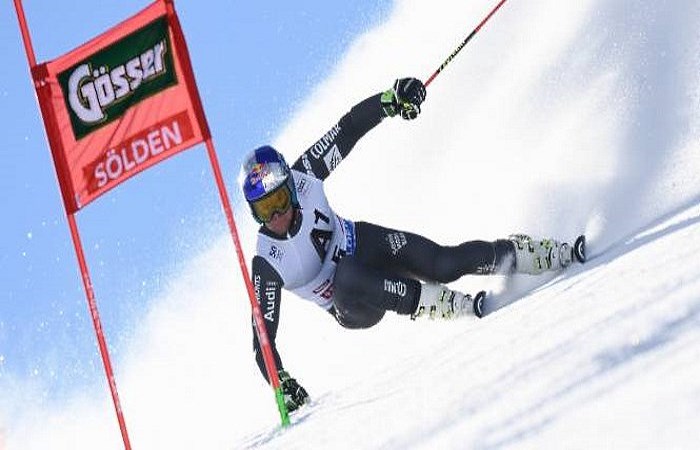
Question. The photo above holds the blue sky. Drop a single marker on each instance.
(254, 61)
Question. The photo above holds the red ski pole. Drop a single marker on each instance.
(464, 42)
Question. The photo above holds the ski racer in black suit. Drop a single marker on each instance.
(357, 270)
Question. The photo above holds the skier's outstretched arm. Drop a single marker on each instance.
(268, 292)
(404, 99)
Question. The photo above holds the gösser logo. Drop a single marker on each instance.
(90, 94)
(101, 88)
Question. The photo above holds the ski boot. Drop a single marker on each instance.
(534, 256)
(439, 301)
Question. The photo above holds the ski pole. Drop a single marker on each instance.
(464, 42)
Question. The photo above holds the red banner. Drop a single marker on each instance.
(119, 104)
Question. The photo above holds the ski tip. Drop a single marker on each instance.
(580, 249)
(479, 304)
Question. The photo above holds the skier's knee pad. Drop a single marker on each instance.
(356, 316)
(352, 310)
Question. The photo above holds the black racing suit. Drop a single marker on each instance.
(383, 268)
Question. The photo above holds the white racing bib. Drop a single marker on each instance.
(307, 261)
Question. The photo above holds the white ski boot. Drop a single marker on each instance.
(534, 256)
(439, 301)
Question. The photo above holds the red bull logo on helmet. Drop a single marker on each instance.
(257, 173)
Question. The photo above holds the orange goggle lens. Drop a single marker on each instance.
(278, 201)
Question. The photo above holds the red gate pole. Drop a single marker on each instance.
(255, 306)
(260, 327)
(87, 284)
(97, 325)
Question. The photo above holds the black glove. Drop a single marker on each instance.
(294, 395)
(404, 98)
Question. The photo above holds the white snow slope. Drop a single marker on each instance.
(558, 118)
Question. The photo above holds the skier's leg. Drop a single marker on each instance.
(363, 294)
(413, 255)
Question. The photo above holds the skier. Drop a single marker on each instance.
(357, 270)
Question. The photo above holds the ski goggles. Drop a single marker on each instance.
(278, 201)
